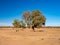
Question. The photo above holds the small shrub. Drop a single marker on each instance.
(42, 39)
(17, 30)
(59, 38)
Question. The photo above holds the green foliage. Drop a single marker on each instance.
(27, 18)
(38, 19)
(18, 24)
(34, 18)
(22, 24)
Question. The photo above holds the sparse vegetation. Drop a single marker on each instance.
(17, 30)
(18, 24)
(42, 39)
(31, 19)
(59, 38)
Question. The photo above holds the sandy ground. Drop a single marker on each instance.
(28, 37)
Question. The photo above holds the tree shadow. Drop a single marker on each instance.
(40, 30)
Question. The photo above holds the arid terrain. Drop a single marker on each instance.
(19, 36)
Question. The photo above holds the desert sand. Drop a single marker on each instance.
(19, 36)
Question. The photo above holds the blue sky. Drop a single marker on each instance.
(11, 9)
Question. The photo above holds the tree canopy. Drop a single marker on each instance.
(27, 18)
(38, 19)
(34, 18)
(18, 24)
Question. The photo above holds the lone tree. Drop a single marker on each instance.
(38, 19)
